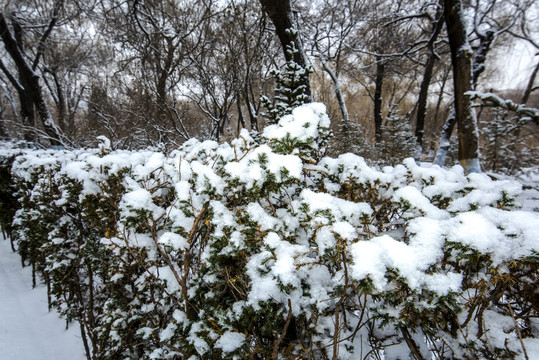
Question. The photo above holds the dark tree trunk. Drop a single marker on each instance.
(461, 59)
(280, 13)
(529, 87)
(252, 112)
(241, 121)
(29, 81)
(422, 101)
(445, 143)
(60, 103)
(26, 105)
(478, 66)
(425, 83)
(379, 83)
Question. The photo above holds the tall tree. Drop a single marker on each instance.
(427, 76)
(333, 27)
(489, 20)
(27, 80)
(461, 59)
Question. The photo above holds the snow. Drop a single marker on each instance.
(416, 199)
(230, 341)
(302, 124)
(291, 222)
(27, 330)
(140, 199)
(175, 241)
(342, 209)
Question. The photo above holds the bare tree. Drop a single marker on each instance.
(27, 80)
(490, 21)
(333, 28)
(427, 77)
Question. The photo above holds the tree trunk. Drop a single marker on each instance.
(445, 142)
(60, 103)
(422, 102)
(26, 105)
(253, 118)
(529, 88)
(478, 67)
(241, 121)
(280, 13)
(425, 83)
(461, 59)
(29, 81)
(338, 92)
(379, 82)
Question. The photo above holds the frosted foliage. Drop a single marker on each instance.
(214, 249)
(303, 124)
(230, 341)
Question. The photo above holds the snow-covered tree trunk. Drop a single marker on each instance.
(478, 66)
(379, 83)
(461, 58)
(338, 92)
(444, 144)
(280, 13)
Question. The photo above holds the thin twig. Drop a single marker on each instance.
(517, 328)
(275, 352)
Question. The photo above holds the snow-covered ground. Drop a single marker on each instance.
(27, 330)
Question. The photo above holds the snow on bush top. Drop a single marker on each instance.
(257, 230)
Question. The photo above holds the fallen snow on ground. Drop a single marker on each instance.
(27, 330)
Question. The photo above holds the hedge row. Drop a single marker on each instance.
(265, 249)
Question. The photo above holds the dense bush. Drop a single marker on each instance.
(266, 249)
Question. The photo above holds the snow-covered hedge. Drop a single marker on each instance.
(265, 249)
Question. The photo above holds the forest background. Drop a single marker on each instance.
(157, 73)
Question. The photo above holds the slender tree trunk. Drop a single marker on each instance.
(250, 109)
(241, 121)
(529, 87)
(445, 143)
(478, 65)
(422, 102)
(425, 83)
(61, 104)
(461, 59)
(338, 92)
(379, 82)
(441, 95)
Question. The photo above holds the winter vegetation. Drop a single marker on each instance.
(274, 179)
(262, 248)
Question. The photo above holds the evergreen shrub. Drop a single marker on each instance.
(267, 249)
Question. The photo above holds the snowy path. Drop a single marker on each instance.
(27, 330)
